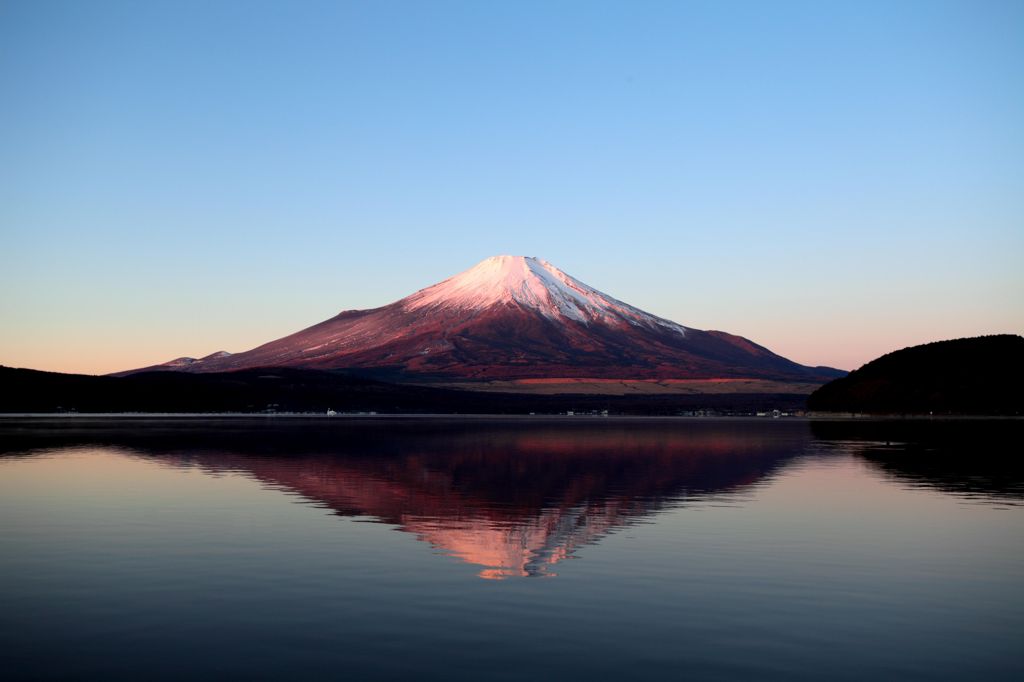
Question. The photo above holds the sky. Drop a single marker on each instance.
(831, 180)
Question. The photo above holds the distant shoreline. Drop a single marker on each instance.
(349, 417)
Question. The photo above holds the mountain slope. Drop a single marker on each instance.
(511, 317)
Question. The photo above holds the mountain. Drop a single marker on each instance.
(981, 375)
(512, 317)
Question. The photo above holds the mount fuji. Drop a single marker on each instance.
(513, 318)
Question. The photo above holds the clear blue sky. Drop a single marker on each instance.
(832, 180)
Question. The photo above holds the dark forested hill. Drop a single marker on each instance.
(982, 375)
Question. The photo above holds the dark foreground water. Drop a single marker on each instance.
(510, 550)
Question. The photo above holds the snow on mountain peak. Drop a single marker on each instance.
(531, 283)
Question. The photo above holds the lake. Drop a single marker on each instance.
(476, 549)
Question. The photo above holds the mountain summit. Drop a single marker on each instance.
(513, 317)
(532, 284)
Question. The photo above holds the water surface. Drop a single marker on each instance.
(467, 550)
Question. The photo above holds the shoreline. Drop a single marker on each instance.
(349, 417)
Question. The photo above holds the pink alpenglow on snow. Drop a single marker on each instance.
(534, 284)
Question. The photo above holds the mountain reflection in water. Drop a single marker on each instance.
(515, 497)
(512, 498)
(512, 501)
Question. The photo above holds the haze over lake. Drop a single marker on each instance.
(506, 549)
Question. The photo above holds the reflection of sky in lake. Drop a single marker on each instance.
(737, 550)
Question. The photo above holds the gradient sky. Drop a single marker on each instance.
(832, 180)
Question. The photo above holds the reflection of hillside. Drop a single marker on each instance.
(968, 458)
(512, 497)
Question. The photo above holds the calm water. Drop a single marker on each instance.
(586, 550)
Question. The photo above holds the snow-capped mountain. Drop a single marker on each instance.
(513, 317)
(532, 284)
